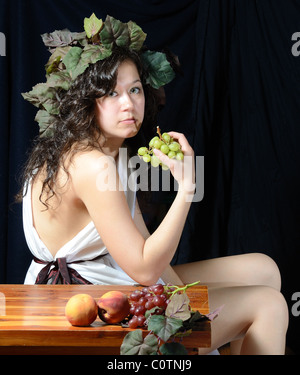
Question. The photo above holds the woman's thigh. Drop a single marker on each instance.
(245, 269)
(244, 305)
(248, 287)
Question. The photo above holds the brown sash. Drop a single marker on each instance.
(60, 273)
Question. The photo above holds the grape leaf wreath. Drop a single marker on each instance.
(73, 52)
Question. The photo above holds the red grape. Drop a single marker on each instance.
(140, 310)
(133, 322)
(149, 305)
(142, 301)
(158, 300)
(158, 289)
(141, 320)
(159, 311)
(136, 295)
(132, 309)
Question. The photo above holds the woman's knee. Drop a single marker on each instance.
(265, 270)
(273, 306)
(256, 306)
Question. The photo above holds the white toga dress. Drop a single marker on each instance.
(86, 252)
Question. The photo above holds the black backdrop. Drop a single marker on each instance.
(237, 102)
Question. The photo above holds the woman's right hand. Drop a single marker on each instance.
(182, 171)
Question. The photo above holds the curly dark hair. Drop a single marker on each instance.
(76, 128)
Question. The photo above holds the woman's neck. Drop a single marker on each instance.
(111, 146)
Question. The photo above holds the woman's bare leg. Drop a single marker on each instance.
(245, 269)
(249, 287)
(256, 314)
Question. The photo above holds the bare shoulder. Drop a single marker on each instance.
(93, 170)
(86, 162)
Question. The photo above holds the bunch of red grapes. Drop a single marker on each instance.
(154, 297)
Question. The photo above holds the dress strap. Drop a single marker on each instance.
(60, 273)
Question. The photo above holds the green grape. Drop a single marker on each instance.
(174, 146)
(171, 154)
(166, 144)
(166, 137)
(155, 161)
(151, 143)
(142, 151)
(157, 144)
(164, 148)
(179, 155)
(147, 158)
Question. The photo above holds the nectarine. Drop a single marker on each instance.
(81, 310)
(113, 307)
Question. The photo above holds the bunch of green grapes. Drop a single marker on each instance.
(166, 144)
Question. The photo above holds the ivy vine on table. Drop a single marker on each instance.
(177, 321)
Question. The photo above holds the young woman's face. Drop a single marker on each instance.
(121, 112)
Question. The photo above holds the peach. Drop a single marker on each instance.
(113, 307)
(81, 310)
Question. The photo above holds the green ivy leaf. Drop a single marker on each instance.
(195, 322)
(93, 53)
(54, 62)
(51, 106)
(61, 79)
(72, 58)
(173, 348)
(136, 36)
(74, 66)
(178, 307)
(80, 38)
(114, 32)
(92, 25)
(164, 327)
(45, 121)
(134, 344)
(78, 59)
(39, 94)
(53, 65)
(159, 68)
(59, 38)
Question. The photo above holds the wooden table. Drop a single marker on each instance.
(32, 321)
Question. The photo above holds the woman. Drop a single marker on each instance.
(83, 227)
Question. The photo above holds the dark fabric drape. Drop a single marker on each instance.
(237, 102)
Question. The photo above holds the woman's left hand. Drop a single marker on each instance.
(182, 171)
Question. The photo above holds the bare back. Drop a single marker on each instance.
(65, 217)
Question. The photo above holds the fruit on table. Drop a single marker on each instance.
(81, 310)
(113, 307)
(153, 298)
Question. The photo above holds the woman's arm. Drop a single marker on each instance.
(142, 259)
(168, 275)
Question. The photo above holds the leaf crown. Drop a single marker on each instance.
(73, 52)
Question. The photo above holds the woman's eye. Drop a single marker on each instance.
(135, 90)
(113, 93)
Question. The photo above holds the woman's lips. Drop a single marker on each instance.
(128, 121)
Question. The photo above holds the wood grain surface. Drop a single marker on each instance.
(32, 321)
